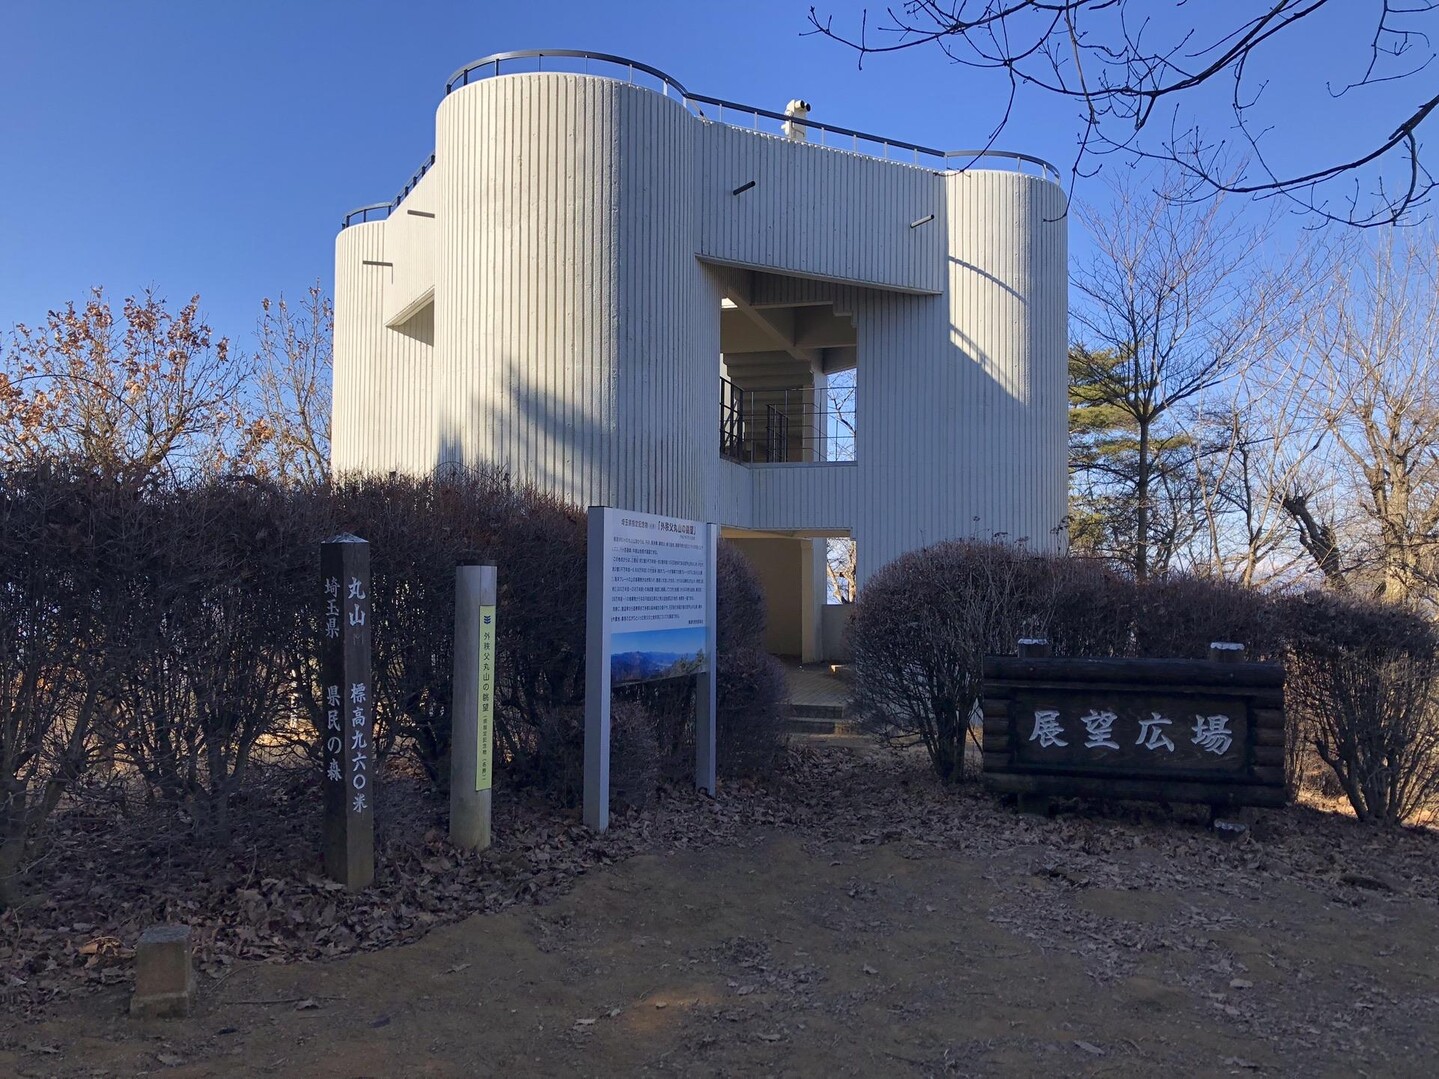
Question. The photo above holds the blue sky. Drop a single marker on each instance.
(213, 148)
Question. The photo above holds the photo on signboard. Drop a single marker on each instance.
(649, 655)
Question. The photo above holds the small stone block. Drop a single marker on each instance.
(164, 973)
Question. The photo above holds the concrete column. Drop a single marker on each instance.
(812, 592)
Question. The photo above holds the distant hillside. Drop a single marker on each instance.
(646, 666)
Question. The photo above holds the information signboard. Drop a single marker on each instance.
(651, 615)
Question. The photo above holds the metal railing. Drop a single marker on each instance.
(830, 136)
(795, 426)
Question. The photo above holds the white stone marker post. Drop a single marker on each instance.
(472, 708)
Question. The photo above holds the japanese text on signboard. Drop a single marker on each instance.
(1147, 732)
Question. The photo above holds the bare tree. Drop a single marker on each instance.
(289, 437)
(1135, 70)
(1171, 305)
(1371, 345)
(1255, 446)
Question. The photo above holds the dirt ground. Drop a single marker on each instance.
(856, 919)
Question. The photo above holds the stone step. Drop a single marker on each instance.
(817, 711)
(800, 727)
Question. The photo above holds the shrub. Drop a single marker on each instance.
(539, 546)
(217, 605)
(1178, 615)
(1091, 610)
(751, 690)
(419, 530)
(65, 537)
(634, 753)
(921, 629)
(925, 622)
(740, 615)
(752, 704)
(1361, 687)
(176, 628)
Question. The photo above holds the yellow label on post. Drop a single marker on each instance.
(484, 743)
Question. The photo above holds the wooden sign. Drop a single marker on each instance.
(348, 734)
(1166, 730)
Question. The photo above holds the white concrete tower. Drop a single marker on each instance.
(633, 295)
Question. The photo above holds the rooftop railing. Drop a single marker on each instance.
(731, 113)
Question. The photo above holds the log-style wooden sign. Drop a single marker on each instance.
(1156, 729)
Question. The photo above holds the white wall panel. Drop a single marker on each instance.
(961, 398)
(796, 496)
(566, 296)
(410, 250)
(817, 211)
(384, 400)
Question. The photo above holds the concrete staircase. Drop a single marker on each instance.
(819, 694)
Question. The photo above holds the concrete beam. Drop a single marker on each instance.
(817, 327)
(773, 326)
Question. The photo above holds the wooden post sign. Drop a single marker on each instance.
(1208, 731)
(349, 730)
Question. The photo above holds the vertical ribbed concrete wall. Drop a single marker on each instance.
(962, 396)
(575, 323)
(566, 291)
(817, 211)
(1008, 293)
(410, 237)
(383, 412)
